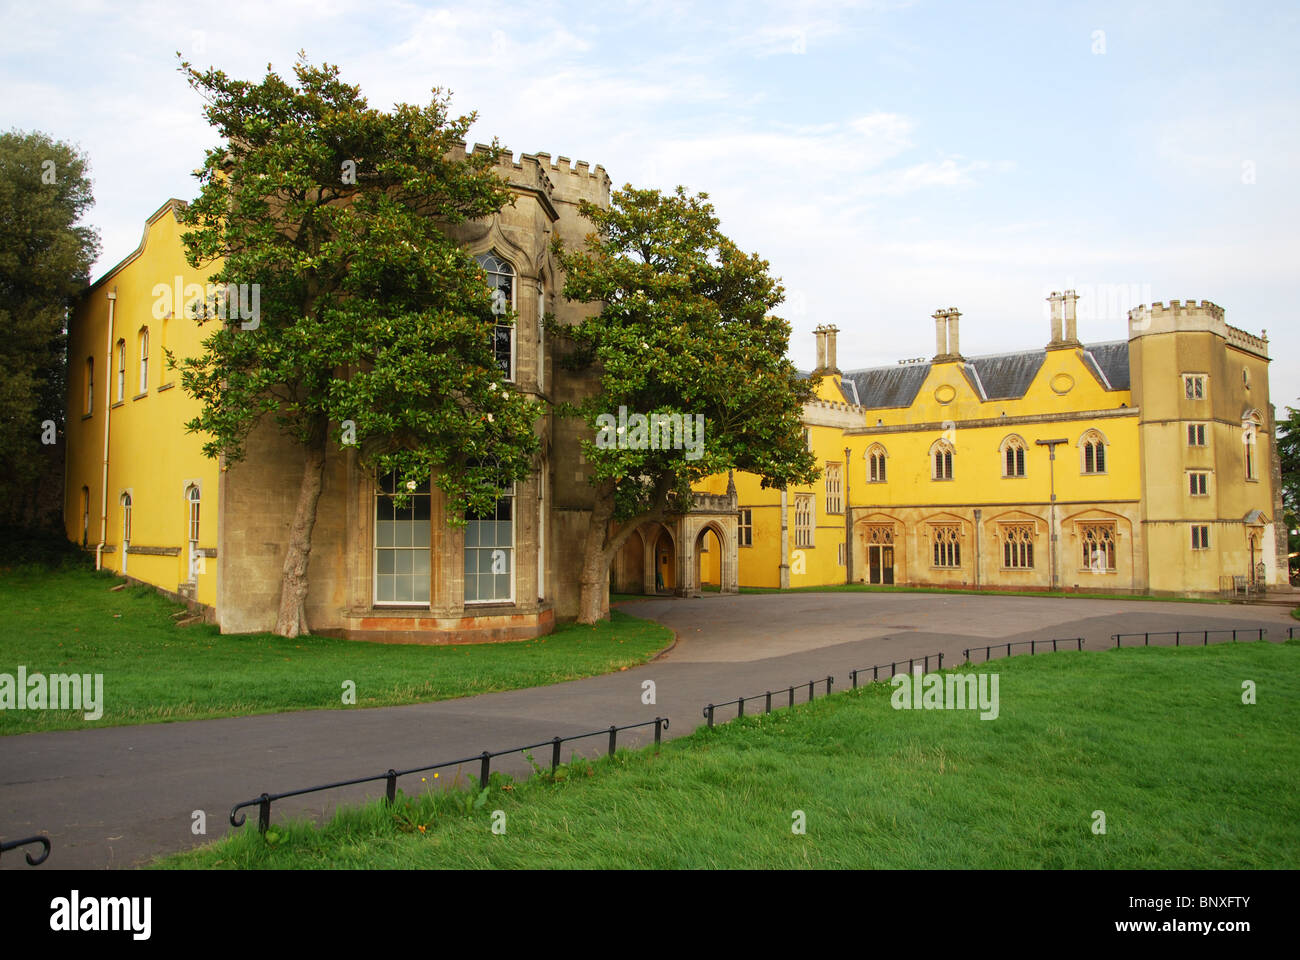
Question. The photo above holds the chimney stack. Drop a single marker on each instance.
(940, 334)
(820, 333)
(1058, 316)
(1071, 321)
(829, 334)
(954, 347)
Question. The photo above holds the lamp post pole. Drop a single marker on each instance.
(1051, 446)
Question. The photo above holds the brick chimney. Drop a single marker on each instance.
(947, 343)
(829, 333)
(1071, 318)
(1057, 301)
(820, 334)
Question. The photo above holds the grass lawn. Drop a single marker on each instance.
(1157, 738)
(68, 621)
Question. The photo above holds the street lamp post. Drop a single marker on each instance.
(1051, 446)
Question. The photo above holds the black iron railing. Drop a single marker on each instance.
(1202, 635)
(766, 697)
(27, 841)
(893, 667)
(263, 803)
(1031, 644)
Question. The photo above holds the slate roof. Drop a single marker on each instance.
(1001, 376)
(894, 386)
(1112, 358)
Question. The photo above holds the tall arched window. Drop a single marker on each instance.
(941, 455)
(126, 527)
(1092, 452)
(192, 502)
(85, 516)
(121, 369)
(541, 334)
(144, 360)
(876, 457)
(501, 281)
(1013, 456)
(90, 385)
(1251, 421)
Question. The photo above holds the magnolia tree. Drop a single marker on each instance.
(371, 325)
(685, 339)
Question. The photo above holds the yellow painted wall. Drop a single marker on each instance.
(150, 453)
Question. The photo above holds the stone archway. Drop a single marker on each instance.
(662, 575)
(628, 569)
(695, 530)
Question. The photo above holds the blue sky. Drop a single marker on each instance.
(887, 158)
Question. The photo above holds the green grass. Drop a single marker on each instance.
(1156, 738)
(68, 621)
(880, 588)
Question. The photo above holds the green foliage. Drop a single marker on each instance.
(685, 328)
(45, 548)
(369, 311)
(1288, 451)
(45, 260)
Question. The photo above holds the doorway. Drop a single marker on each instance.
(880, 564)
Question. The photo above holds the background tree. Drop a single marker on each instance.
(45, 260)
(684, 328)
(369, 312)
(1288, 451)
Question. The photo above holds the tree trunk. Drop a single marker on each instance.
(593, 596)
(292, 618)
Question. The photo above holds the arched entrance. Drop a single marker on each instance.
(708, 560)
(628, 569)
(665, 563)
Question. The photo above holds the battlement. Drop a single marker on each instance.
(1248, 341)
(1177, 309)
(560, 179)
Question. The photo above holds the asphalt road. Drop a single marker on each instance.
(118, 796)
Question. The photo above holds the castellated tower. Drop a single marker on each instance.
(1210, 498)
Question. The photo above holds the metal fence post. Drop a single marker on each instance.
(741, 711)
(613, 739)
(940, 659)
(768, 703)
(555, 754)
(708, 712)
(829, 682)
(392, 786)
(853, 677)
(659, 727)
(263, 813)
(485, 770)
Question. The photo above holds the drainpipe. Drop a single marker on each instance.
(785, 541)
(848, 523)
(108, 399)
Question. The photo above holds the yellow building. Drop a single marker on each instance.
(138, 490)
(1138, 465)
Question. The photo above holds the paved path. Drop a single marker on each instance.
(116, 796)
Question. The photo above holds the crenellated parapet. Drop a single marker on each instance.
(558, 180)
(1191, 316)
(1249, 342)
